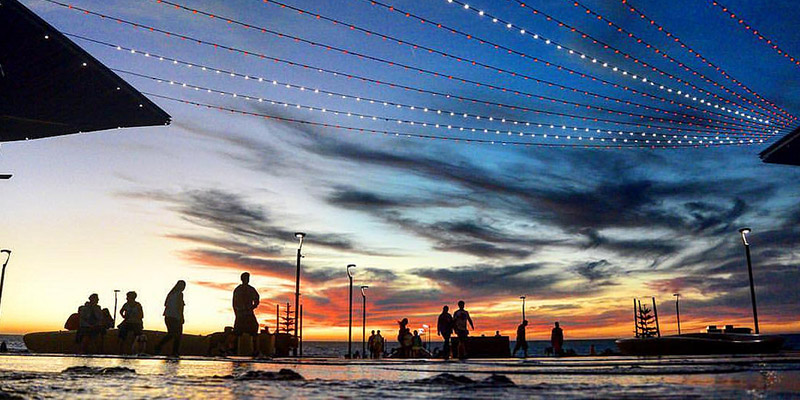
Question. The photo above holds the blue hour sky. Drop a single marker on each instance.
(428, 221)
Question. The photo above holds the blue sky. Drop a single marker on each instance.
(580, 231)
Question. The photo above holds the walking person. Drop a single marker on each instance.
(245, 302)
(132, 315)
(557, 340)
(460, 319)
(521, 343)
(173, 318)
(444, 328)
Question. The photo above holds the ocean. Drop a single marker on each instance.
(328, 375)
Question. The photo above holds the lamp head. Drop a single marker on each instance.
(300, 236)
(362, 290)
(349, 272)
(522, 297)
(8, 255)
(6, 251)
(744, 232)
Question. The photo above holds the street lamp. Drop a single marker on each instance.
(3, 274)
(363, 321)
(744, 232)
(428, 331)
(300, 236)
(350, 314)
(523, 307)
(678, 309)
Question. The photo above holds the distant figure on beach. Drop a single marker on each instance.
(460, 319)
(557, 340)
(379, 343)
(522, 343)
(3, 347)
(371, 344)
(416, 345)
(92, 323)
(173, 318)
(245, 302)
(497, 334)
(444, 328)
(132, 315)
(404, 338)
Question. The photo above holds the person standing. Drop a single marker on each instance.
(379, 341)
(173, 318)
(245, 302)
(460, 319)
(557, 340)
(371, 345)
(522, 343)
(404, 338)
(132, 315)
(444, 328)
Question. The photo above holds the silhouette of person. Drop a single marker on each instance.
(173, 318)
(379, 342)
(460, 319)
(245, 301)
(371, 344)
(557, 340)
(92, 322)
(132, 315)
(522, 343)
(404, 338)
(416, 345)
(444, 328)
(3, 347)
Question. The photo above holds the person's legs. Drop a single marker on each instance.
(177, 328)
(169, 336)
(446, 346)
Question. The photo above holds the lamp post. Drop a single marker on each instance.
(3, 273)
(428, 332)
(300, 236)
(744, 232)
(523, 307)
(350, 314)
(363, 321)
(116, 292)
(678, 309)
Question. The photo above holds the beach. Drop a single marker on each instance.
(54, 376)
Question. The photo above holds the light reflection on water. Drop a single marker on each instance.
(42, 376)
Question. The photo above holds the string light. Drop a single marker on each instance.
(461, 59)
(445, 113)
(400, 134)
(173, 61)
(666, 56)
(781, 113)
(623, 72)
(749, 27)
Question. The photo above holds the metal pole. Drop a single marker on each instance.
(301, 329)
(296, 301)
(635, 319)
(116, 291)
(752, 288)
(363, 324)
(350, 326)
(523, 307)
(678, 310)
(277, 318)
(655, 315)
(3, 273)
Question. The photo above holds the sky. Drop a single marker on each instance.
(578, 221)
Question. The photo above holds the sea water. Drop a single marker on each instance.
(49, 376)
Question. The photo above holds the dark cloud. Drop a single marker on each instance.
(595, 271)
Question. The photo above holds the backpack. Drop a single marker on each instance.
(73, 322)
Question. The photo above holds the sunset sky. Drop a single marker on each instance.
(579, 231)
